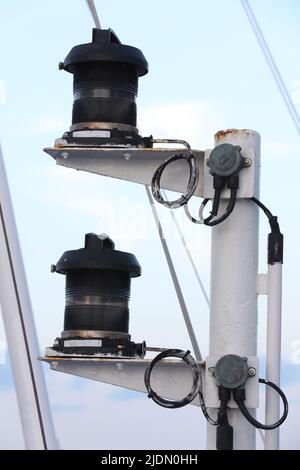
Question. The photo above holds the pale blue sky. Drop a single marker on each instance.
(206, 73)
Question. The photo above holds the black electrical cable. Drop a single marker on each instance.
(275, 238)
(240, 400)
(213, 213)
(193, 176)
(224, 432)
(272, 218)
(190, 361)
(231, 204)
(197, 387)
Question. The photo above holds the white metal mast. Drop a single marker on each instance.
(234, 267)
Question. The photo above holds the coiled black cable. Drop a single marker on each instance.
(190, 361)
(193, 177)
(241, 404)
(197, 387)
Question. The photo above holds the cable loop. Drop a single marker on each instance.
(197, 387)
(256, 423)
(190, 361)
(190, 217)
(193, 177)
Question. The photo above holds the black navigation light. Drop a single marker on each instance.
(97, 300)
(105, 76)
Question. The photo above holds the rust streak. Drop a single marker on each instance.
(224, 134)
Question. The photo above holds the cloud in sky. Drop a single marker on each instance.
(194, 121)
(100, 416)
(46, 124)
(279, 149)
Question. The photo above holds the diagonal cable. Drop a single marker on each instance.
(189, 255)
(272, 64)
(93, 12)
(178, 290)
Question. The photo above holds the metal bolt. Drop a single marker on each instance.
(247, 162)
(64, 154)
(211, 371)
(52, 268)
(251, 371)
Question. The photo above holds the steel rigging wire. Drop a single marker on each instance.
(176, 284)
(189, 255)
(272, 64)
(94, 13)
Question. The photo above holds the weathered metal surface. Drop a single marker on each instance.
(231, 133)
(234, 267)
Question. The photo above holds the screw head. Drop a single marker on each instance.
(127, 155)
(247, 162)
(251, 371)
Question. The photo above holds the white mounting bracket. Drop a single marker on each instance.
(171, 379)
(130, 164)
(139, 164)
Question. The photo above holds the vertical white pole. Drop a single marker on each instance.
(273, 352)
(21, 336)
(234, 267)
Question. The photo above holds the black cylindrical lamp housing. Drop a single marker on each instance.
(98, 281)
(105, 80)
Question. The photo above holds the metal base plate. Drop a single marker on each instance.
(131, 164)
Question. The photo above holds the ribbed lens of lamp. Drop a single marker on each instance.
(105, 92)
(97, 300)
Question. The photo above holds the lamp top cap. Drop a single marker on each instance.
(98, 254)
(105, 47)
